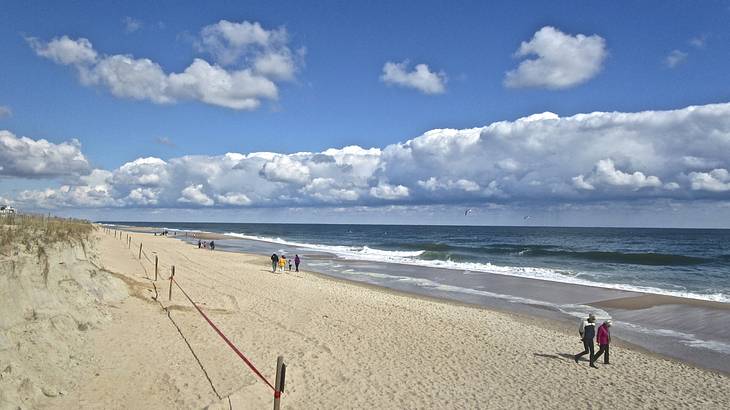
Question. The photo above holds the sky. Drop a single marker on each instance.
(584, 113)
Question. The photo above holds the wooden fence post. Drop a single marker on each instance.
(169, 293)
(155, 268)
(279, 384)
(140, 251)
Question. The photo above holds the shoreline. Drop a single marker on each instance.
(661, 298)
(634, 301)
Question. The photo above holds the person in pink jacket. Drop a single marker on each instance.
(603, 337)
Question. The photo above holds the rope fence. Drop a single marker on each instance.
(277, 387)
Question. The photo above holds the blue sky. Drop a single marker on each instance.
(654, 55)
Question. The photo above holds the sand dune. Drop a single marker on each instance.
(346, 345)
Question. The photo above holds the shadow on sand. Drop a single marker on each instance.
(559, 356)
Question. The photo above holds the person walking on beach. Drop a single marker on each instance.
(297, 261)
(212, 245)
(274, 262)
(604, 339)
(587, 332)
(289, 260)
(200, 244)
(282, 263)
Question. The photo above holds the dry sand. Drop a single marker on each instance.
(346, 345)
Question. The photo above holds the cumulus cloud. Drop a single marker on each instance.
(234, 198)
(435, 184)
(605, 172)
(387, 191)
(249, 62)
(717, 180)
(91, 191)
(675, 58)
(28, 158)
(420, 78)
(285, 169)
(5, 112)
(194, 194)
(64, 50)
(561, 60)
(602, 156)
(267, 51)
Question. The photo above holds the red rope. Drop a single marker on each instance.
(235, 349)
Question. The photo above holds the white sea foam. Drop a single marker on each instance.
(365, 253)
(575, 310)
(687, 339)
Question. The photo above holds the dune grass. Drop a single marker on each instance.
(35, 234)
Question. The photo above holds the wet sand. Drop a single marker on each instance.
(646, 301)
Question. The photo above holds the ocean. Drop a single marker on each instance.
(575, 268)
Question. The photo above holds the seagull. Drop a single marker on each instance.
(467, 212)
(527, 217)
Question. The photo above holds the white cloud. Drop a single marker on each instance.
(717, 180)
(259, 59)
(605, 172)
(285, 169)
(329, 191)
(420, 78)
(228, 41)
(142, 172)
(231, 43)
(131, 24)
(562, 60)
(64, 50)
(601, 156)
(235, 199)
(28, 158)
(389, 192)
(675, 58)
(435, 184)
(194, 194)
(143, 196)
(5, 112)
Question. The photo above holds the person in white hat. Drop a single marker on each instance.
(587, 333)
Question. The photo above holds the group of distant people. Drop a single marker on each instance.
(206, 245)
(281, 262)
(587, 330)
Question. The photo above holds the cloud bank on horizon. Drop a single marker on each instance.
(678, 154)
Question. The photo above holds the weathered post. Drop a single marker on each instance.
(155, 268)
(140, 251)
(169, 293)
(279, 383)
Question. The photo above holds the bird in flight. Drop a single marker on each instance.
(467, 212)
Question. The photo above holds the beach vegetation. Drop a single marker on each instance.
(37, 234)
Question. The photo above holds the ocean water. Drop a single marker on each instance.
(692, 263)
(576, 268)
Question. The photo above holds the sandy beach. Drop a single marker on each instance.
(111, 339)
